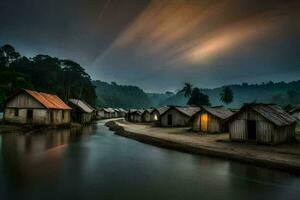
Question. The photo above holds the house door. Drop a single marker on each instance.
(204, 122)
(251, 128)
(29, 115)
(170, 120)
(51, 116)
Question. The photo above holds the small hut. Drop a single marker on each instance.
(146, 116)
(117, 112)
(114, 112)
(262, 123)
(211, 119)
(176, 116)
(157, 112)
(32, 107)
(109, 113)
(122, 112)
(137, 115)
(130, 115)
(100, 113)
(82, 112)
(295, 111)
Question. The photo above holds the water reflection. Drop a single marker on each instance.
(27, 155)
(93, 163)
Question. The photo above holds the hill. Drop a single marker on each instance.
(113, 95)
(65, 78)
(281, 93)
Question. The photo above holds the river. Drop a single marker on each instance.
(94, 163)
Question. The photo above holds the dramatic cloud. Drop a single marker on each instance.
(159, 44)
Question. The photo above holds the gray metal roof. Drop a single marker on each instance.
(220, 111)
(85, 107)
(140, 111)
(275, 114)
(132, 110)
(149, 110)
(272, 113)
(109, 110)
(295, 109)
(122, 110)
(189, 111)
(161, 110)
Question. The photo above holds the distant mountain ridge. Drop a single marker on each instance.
(114, 95)
(281, 93)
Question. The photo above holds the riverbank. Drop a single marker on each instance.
(26, 128)
(284, 157)
(6, 128)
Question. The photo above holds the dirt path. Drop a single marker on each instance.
(282, 156)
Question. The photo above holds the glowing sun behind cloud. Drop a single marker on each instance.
(171, 36)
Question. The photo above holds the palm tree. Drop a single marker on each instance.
(198, 98)
(226, 96)
(187, 89)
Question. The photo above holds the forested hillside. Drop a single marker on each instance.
(65, 78)
(68, 79)
(113, 95)
(157, 98)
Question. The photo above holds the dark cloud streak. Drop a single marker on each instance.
(159, 44)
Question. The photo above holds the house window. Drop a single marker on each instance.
(63, 114)
(16, 112)
(204, 122)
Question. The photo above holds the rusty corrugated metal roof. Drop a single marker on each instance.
(50, 101)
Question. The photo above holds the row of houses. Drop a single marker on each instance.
(32, 107)
(256, 122)
(107, 113)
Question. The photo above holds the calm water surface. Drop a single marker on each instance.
(93, 163)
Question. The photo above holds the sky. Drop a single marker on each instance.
(161, 44)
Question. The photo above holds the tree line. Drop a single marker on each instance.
(65, 78)
(124, 96)
(199, 98)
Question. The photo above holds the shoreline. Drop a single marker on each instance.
(284, 165)
(7, 128)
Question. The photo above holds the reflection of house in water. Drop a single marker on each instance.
(27, 156)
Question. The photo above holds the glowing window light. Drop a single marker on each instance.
(204, 120)
(155, 117)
